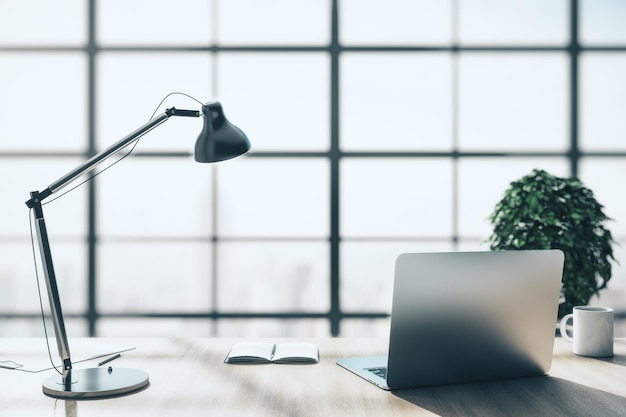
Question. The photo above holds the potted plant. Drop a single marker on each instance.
(541, 211)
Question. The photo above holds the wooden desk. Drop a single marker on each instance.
(188, 378)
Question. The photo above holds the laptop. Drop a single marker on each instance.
(468, 316)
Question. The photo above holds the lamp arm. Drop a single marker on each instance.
(35, 203)
(111, 150)
(51, 285)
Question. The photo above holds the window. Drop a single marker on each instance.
(367, 142)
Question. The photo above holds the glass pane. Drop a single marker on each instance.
(158, 22)
(395, 22)
(254, 328)
(74, 328)
(273, 276)
(602, 102)
(511, 102)
(482, 183)
(471, 245)
(43, 22)
(154, 276)
(273, 197)
(367, 271)
(21, 328)
(35, 328)
(131, 86)
(605, 177)
(65, 217)
(17, 274)
(498, 22)
(396, 102)
(365, 328)
(43, 110)
(283, 22)
(70, 265)
(20, 282)
(602, 22)
(155, 328)
(19, 279)
(614, 295)
(280, 100)
(396, 197)
(155, 197)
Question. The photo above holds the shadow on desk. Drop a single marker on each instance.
(616, 359)
(536, 396)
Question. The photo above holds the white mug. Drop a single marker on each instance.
(593, 331)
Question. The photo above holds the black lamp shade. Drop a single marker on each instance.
(219, 140)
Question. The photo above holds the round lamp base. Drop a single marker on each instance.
(96, 383)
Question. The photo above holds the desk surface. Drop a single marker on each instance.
(188, 378)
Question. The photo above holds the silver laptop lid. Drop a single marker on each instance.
(471, 316)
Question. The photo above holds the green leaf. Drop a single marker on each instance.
(543, 211)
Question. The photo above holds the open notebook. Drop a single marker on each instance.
(264, 352)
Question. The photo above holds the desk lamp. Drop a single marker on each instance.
(218, 141)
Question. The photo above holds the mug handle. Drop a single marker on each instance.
(563, 328)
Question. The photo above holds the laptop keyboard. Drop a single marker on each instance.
(381, 372)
